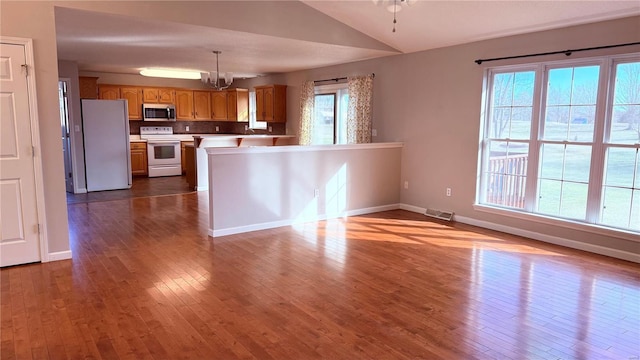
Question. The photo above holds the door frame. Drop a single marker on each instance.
(72, 138)
(35, 140)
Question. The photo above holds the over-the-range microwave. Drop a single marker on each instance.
(158, 112)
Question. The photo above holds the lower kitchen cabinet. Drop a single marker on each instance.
(139, 158)
(183, 154)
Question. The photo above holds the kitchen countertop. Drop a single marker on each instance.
(238, 138)
(190, 137)
(197, 138)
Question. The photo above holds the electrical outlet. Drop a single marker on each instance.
(217, 128)
(77, 128)
(406, 184)
(448, 191)
(187, 128)
(374, 132)
(246, 127)
(316, 193)
(270, 128)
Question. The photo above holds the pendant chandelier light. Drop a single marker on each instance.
(212, 78)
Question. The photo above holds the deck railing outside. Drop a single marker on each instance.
(507, 178)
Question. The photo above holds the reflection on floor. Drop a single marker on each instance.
(141, 187)
(146, 282)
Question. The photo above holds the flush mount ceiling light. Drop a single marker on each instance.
(213, 78)
(394, 6)
(171, 73)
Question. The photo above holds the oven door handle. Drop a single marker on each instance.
(163, 142)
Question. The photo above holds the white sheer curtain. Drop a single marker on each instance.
(307, 99)
(359, 112)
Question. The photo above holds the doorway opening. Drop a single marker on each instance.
(63, 99)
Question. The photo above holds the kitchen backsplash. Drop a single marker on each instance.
(206, 127)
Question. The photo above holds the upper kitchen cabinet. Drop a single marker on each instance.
(193, 105)
(133, 95)
(184, 105)
(88, 87)
(219, 105)
(109, 92)
(271, 103)
(238, 105)
(202, 105)
(159, 95)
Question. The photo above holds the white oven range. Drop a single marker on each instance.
(163, 151)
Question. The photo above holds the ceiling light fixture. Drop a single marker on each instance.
(394, 6)
(213, 78)
(171, 73)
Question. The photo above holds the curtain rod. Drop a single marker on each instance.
(566, 52)
(337, 79)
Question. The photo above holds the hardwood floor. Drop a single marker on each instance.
(146, 282)
(141, 186)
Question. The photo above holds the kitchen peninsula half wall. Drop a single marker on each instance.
(255, 188)
(198, 165)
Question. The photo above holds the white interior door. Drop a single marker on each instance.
(19, 241)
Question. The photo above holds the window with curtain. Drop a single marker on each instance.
(562, 139)
(336, 113)
(330, 114)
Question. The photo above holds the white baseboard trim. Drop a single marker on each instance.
(289, 222)
(413, 208)
(81, 191)
(596, 249)
(202, 188)
(60, 255)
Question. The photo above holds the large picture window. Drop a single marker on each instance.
(563, 140)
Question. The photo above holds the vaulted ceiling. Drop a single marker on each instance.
(263, 37)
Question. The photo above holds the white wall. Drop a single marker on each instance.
(431, 102)
(35, 20)
(264, 187)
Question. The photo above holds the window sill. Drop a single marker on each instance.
(565, 223)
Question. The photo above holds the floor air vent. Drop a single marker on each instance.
(439, 214)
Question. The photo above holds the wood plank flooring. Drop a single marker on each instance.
(141, 186)
(146, 282)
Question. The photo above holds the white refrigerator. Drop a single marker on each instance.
(105, 131)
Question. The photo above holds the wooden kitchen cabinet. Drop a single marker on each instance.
(183, 154)
(238, 105)
(133, 95)
(184, 105)
(271, 103)
(193, 105)
(166, 96)
(201, 105)
(159, 95)
(219, 105)
(139, 158)
(88, 87)
(109, 92)
(190, 164)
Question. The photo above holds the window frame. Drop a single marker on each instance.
(254, 124)
(599, 144)
(337, 90)
(335, 113)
